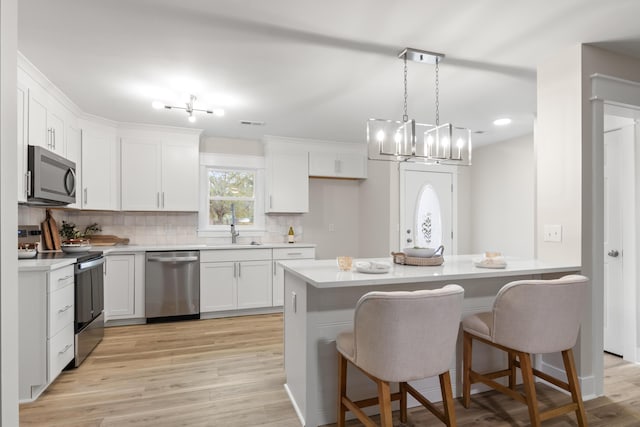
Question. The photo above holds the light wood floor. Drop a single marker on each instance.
(229, 372)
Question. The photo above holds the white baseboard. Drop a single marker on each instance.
(587, 384)
(245, 312)
(295, 405)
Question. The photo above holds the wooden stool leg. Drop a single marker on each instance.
(447, 399)
(342, 388)
(512, 368)
(403, 402)
(466, 369)
(574, 386)
(529, 388)
(384, 400)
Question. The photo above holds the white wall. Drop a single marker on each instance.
(250, 147)
(8, 202)
(378, 223)
(502, 198)
(334, 214)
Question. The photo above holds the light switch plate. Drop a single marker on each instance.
(552, 233)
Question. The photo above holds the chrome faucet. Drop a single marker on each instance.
(234, 232)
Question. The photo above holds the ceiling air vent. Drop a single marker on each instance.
(251, 123)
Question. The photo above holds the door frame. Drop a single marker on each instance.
(625, 93)
(420, 167)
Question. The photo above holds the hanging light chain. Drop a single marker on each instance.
(405, 117)
(437, 92)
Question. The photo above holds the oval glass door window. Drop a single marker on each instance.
(428, 219)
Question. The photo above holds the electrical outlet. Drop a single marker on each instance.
(552, 233)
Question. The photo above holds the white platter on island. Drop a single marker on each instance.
(319, 303)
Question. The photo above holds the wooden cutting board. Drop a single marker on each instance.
(46, 235)
(107, 240)
(53, 229)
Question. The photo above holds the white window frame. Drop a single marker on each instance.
(231, 162)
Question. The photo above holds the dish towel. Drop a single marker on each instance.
(491, 260)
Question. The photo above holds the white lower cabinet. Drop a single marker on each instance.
(278, 270)
(45, 323)
(124, 286)
(235, 279)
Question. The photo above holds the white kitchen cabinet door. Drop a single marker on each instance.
(337, 165)
(141, 163)
(218, 286)
(46, 127)
(74, 153)
(278, 270)
(22, 132)
(287, 182)
(180, 177)
(98, 169)
(254, 284)
(119, 287)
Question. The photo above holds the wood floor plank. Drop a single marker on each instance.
(229, 372)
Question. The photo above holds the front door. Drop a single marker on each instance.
(426, 215)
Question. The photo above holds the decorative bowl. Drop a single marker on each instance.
(27, 253)
(423, 252)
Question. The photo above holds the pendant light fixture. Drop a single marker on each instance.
(419, 142)
(188, 108)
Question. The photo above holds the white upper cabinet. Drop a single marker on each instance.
(100, 171)
(287, 176)
(46, 123)
(74, 153)
(339, 162)
(159, 171)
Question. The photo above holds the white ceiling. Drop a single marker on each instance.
(312, 69)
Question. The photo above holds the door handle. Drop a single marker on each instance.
(409, 240)
(613, 253)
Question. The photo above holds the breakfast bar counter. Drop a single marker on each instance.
(319, 303)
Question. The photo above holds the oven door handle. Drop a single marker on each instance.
(89, 264)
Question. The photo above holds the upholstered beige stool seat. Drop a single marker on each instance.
(530, 317)
(401, 337)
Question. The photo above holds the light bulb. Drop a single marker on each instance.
(218, 112)
(430, 140)
(460, 143)
(445, 142)
(192, 119)
(397, 138)
(380, 136)
(157, 105)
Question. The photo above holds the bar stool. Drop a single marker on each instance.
(530, 317)
(401, 337)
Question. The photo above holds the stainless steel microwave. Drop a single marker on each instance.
(51, 179)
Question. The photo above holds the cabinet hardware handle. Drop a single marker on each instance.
(270, 202)
(85, 196)
(337, 166)
(158, 199)
(64, 350)
(49, 138)
(28, 186)
(163, 199)
(294, 253)
(53, 130)
(62, 279)
(239, 270)
(274, 268)
(65, 308)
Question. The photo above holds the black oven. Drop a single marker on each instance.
(89, 304)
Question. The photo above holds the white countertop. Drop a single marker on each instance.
(325, 273)
(54, 264)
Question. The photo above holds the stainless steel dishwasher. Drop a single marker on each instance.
(172, 285)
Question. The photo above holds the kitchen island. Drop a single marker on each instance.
(319, 303)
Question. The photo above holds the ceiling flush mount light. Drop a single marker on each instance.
(502, 122)
(419, 142)
(188, 108)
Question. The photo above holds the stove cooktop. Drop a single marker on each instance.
(81, 256)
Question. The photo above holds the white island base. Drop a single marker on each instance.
(320, 301)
